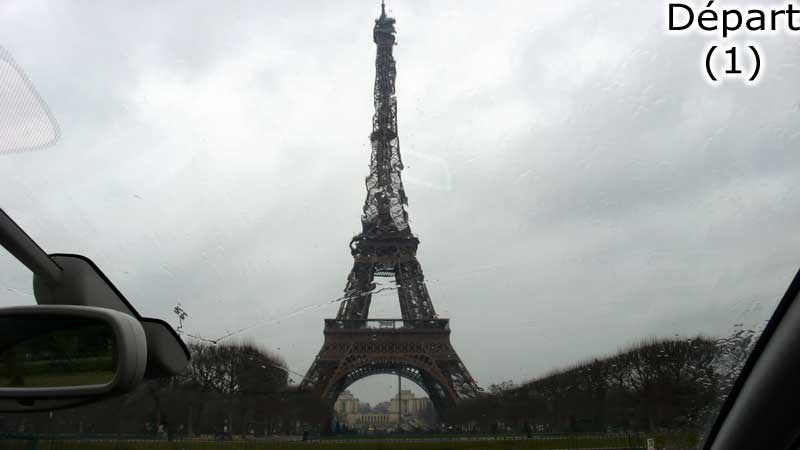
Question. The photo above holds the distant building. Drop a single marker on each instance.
(347, 405)
(384, 416)
(382, 407)
(373, 422)
(409, 404)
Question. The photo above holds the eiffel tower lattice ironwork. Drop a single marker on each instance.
(416, 346)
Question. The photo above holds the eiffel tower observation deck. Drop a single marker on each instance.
(417, 345)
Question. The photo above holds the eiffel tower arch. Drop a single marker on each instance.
(417, 345)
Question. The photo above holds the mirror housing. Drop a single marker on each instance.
(129, 353)
(167, 356)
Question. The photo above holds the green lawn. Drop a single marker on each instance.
(675, 441)
(533, 444)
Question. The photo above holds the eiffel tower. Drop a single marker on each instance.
(416, 346)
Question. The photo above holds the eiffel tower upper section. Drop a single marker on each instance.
(384, 208)
(385, 247)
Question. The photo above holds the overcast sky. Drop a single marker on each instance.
(575, 182)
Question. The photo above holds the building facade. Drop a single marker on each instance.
(347, 405)
(384, 416)
(408, 404)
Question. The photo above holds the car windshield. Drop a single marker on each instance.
(547, 221)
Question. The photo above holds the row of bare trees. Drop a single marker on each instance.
(657, 384)
(240, 389)
(227, 389)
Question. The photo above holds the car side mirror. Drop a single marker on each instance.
(54, 356)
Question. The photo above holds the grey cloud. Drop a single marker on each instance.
(575, 184)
